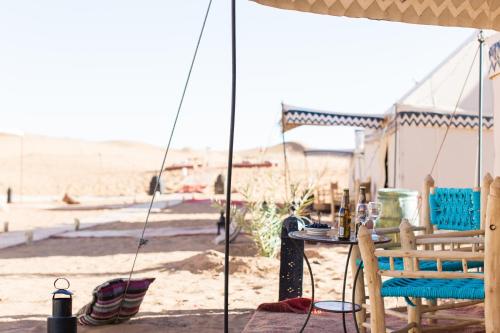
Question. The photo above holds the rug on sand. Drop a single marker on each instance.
(276, 322)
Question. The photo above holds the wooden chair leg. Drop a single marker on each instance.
(360, 288)
(415, 315)
(432, 303)
(377, 313)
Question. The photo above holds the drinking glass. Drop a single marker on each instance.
(374, 210)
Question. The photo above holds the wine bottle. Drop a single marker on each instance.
(344, 217)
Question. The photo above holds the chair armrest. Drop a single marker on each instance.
(395, 230)
(442, 255)
(450, 240)
(469, 233)
(412, 266)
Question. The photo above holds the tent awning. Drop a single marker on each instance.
(483, 14)
(438, 119)
(294, 116)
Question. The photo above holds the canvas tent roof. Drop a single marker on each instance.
(293, 117)
(453, 84)
(466, 13)
(448, 96)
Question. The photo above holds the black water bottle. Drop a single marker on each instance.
(62, 319)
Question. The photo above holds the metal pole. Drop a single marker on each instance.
(230, 167)
(395, 144)
(21, 170)
(480, 131)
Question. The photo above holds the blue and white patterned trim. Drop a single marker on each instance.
(293, 118)
(435, 119)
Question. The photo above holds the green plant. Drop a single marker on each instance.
(266, 219)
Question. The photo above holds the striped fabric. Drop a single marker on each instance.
(107, 298)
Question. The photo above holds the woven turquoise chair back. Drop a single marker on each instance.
(455, 208)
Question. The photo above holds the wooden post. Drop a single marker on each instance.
(492, 260)
(408, 242)
(360, 288)
(485, 191)
(425, 218)
(370, 262)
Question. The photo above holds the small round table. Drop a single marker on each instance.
(337, 306)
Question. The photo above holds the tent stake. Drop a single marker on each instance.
(230, 167)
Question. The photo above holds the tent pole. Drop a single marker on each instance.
(395, 143)
(480, 131)
(230, 166)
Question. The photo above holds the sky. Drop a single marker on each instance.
(115, 70)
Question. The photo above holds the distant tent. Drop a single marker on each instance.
(401, 145)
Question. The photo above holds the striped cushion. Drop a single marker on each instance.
(107, 298)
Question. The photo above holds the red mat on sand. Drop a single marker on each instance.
(293, 305)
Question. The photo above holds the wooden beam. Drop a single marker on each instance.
(425, 219)
(367, 249)
(485, 192)
(492, 259)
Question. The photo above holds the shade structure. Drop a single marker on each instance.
(293, 117)
(483, 14)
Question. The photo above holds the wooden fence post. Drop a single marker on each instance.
(425, 218)
(485, 191)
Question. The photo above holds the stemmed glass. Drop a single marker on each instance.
(374, 209)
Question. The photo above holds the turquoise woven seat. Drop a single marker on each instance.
(434, 288)
(426, 265)
(455, 209)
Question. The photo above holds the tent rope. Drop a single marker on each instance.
(448, 126)
(142, 240)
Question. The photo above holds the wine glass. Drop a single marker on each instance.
(374, 209)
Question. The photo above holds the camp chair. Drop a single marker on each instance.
(455, 211)
(413, 283)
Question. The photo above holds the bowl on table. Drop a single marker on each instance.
(317, 229)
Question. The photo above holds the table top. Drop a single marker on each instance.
(333, 239)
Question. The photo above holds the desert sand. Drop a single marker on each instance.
(187, 295)
(108, 178)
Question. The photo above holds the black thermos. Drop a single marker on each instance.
(62, 319)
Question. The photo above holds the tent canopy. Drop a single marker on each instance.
(483, 14)
(453, 84)
(296, 116)
(293, 117)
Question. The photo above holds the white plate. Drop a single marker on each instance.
(317, 231)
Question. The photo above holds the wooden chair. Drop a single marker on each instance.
(455, 211)
(413, 283)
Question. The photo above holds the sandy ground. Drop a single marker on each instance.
(106, 177)
(187, 295)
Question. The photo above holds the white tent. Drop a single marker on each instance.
(494, 73)
(400, 146)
